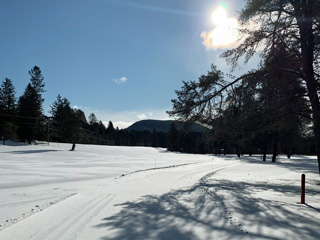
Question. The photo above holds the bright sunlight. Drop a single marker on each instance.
(219, 16)
(225, 32)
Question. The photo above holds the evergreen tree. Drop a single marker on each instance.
(29, 109)
(102, 128)
(60, 111)
(92, 119)
(110, 129)
(66, 121)
(111, 133)
(83, 119)
(7, 97)
(7, 110)
(37, 81)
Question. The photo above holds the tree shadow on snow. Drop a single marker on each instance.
(286, 217)
(182, 214)
(298, 163)
(168, 216)
(32, 151)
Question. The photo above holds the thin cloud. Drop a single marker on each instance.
(120, 80)
(81, 107)
(212, 40)
(142, 116)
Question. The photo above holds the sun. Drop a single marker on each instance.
(219, 16)
(225, 31)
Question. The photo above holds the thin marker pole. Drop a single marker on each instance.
(303, 188)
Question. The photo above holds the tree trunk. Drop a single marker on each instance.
(265, 152)
(275, 149)
(314, 99)
(316, 125)
(289, 152)
(73, 142)
(237, 151)
(73, 147)
(305, 18)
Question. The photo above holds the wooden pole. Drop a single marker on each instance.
(303, 188)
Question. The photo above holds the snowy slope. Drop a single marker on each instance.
(104, 192)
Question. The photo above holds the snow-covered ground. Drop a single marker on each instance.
(116, 193)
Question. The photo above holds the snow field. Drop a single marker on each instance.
(105, 192)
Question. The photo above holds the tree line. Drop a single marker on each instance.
(23, 119)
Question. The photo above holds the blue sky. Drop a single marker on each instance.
(120, 59)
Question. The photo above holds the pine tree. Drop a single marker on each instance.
(60, 110)
(7, 110)
(32, 100)
(92, 119)
(37, 81)
(111, 133)
(66, 121)
(7, 97)
(110, 129)
(29, 109)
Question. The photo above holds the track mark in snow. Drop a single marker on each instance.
(33, 211)
(159, 168)
(73, 224)
(219, 202)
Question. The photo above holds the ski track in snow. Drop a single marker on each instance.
(33, 211)
(227, 215)
(74, 222)
(158, 168)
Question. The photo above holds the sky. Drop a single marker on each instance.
(120, 59)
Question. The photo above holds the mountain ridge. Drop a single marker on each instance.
(163, 126)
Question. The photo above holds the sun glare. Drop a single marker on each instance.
(219, 16)
(225, 32)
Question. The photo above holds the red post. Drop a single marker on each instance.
(303, 188)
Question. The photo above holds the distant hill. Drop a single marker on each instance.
(163, 126)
